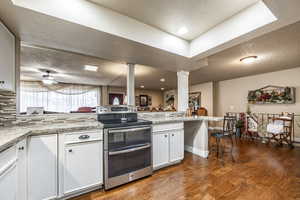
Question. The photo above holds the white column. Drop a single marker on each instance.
(183, 90)
(130, 84)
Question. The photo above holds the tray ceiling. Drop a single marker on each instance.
(198, 16)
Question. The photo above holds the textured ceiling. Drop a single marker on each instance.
(198, 16)
(277, 50)
(69, 68)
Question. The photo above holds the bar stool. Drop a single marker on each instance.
(229, 124)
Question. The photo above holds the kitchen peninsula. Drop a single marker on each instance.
(34, 141)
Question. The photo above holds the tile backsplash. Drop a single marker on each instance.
(7, 108)
(8, 115)
(31, 120)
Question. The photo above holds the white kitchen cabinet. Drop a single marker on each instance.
(22, 170)
(82, 161)
(176, 145)
(42, 167)
(7, 59)
(168, 144)
(8, 174)
(83, 166)
(160, 149)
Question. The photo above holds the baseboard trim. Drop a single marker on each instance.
(196, 151)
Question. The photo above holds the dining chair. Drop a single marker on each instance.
(280, 130)
(229, 128)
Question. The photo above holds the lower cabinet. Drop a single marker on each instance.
(83, 166)
(22, 170)
(168, 145)
(176, 145)
(81, 162)
(42, 167)
(8, 174)
(160, 149)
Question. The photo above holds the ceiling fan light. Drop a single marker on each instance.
(49, 81)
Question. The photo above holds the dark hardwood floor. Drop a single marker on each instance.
(260, 173)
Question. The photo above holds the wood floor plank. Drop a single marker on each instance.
(260, 172)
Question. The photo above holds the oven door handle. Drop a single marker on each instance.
(130, 150)
(129, 130)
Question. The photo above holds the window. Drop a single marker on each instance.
(58, 97)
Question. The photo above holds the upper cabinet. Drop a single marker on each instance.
(7, 59)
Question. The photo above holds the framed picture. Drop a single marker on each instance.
(195, 100)
(272, 95)
(116, 99)
(144, 100)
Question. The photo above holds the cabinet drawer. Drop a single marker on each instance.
(7, 156)
(83, 136)
(167, 126)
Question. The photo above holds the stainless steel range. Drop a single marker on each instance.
(127, 145)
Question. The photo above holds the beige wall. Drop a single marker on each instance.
(207, 96)
(231, 95)
(156, 95)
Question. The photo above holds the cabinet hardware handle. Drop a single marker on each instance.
(84, 137)
(2, 82)
(21, 148)
(70, 150)
(172, 134)
(166, 136)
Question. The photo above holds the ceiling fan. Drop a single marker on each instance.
(48, 79)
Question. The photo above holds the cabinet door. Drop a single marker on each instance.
(83, 167)
(8, 174)
(42, 167)
(160, 149)
(7, 59)
(176, 145)
(22, 170)
(8, 183)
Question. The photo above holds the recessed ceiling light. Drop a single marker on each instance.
(91, 68)
(162, 80)
(248, 59)
(182, 31)
(142, 86)
(162, 88)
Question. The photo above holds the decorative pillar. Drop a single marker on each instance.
(130, 85)
(183, 91)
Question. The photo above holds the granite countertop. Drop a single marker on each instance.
(159, 120)
(11, 135)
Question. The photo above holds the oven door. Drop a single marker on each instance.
(127, 150)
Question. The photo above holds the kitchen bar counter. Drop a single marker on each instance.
(195, 129)
(159, 120)
(11, 135)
